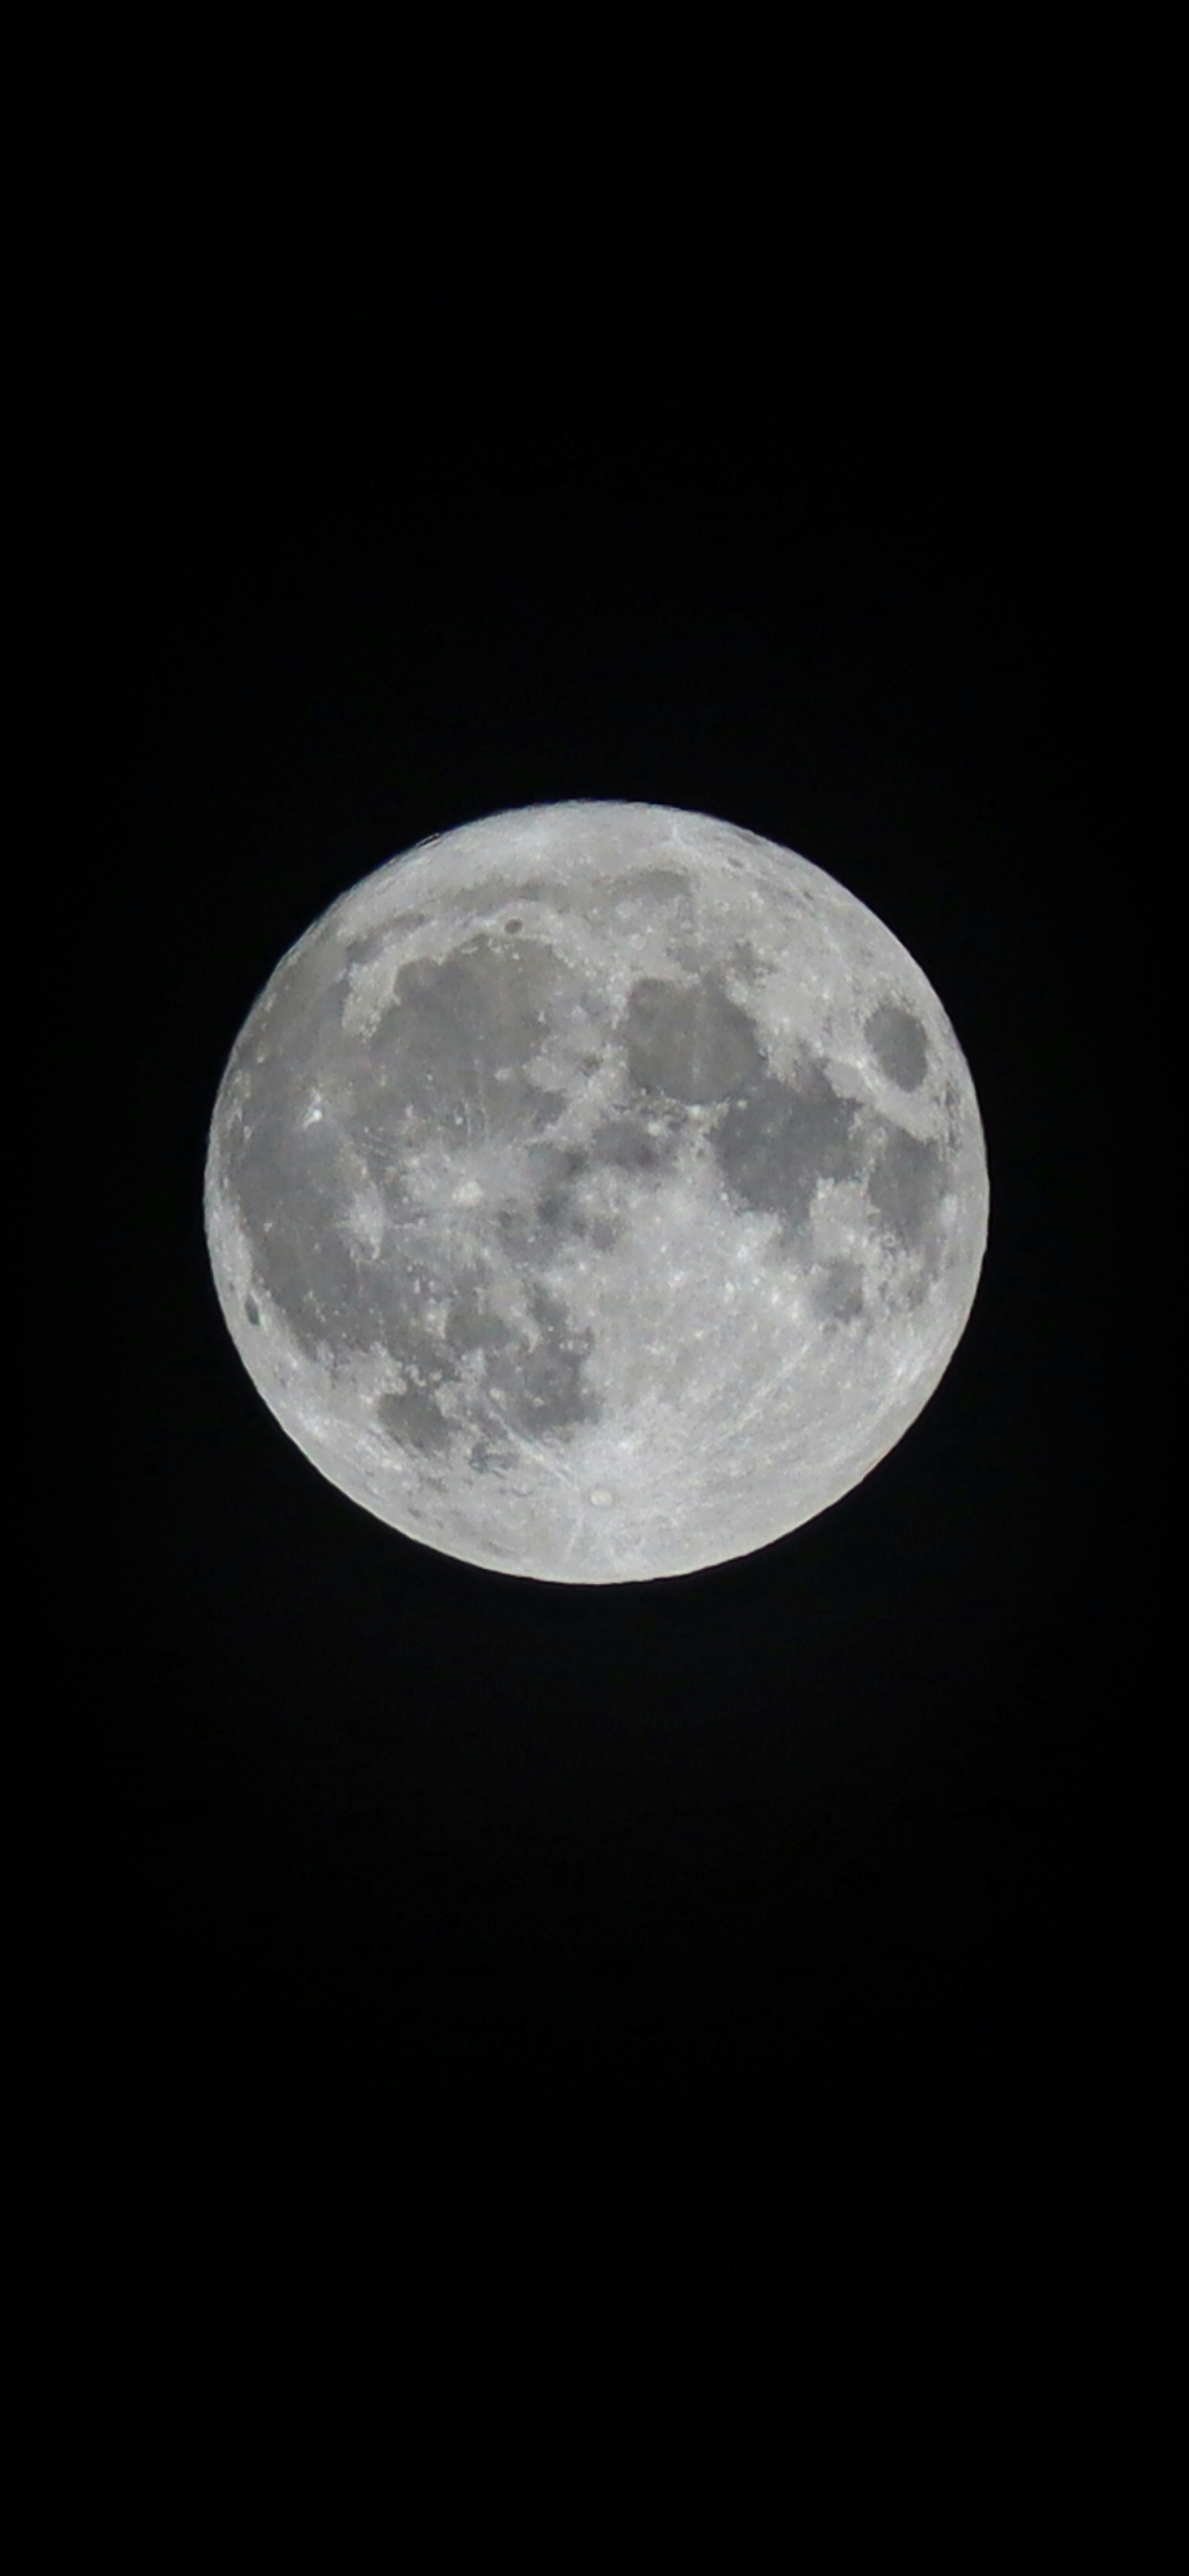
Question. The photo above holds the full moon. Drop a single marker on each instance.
(597, 1192)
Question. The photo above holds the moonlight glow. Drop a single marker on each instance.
(596, 1192)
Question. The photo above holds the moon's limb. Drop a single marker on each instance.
(597, 1192)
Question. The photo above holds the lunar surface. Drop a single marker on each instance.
(596, 1192)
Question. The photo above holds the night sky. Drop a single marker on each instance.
(505, 1953)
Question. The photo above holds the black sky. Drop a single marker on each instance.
(537, 1948)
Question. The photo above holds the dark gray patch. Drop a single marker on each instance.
(251, 1310)
(655, 885)
(529, 1233)
(532, 890)
(627, 1144)
(559, 1166)
(690, 1042)
(539, 1386)
(474, 904)
(520, 1231)
(782, 1138)
(906, 1187)
(472, 1323)
(899, 1045)
(293, 1201)
(556, 1213)
(392, 1295)
(413, 1418)
(452, 1048)
(838, 1294)
(489, 1456)
(295, 1035)
(285, 1177)
(447, 1060)
(363, 945)
(604, 1233)
(535, 1388)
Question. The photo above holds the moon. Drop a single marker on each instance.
(596, 1192)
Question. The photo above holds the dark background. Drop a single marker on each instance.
(503, 1951)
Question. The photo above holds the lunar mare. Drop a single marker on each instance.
(596, 1192)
